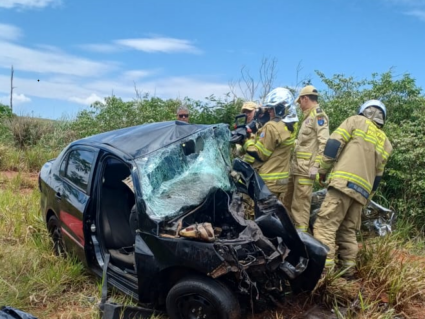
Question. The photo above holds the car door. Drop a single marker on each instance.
(76, 173)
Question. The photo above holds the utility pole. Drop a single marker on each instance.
(11, 90)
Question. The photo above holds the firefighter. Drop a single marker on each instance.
(358, 151)
(249, 108)
(270, 152)
(312, 137)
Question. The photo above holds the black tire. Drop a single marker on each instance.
(202, 297)
(53, 226)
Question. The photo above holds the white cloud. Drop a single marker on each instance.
(167, 45)
(134, 75)
(88, 100)
(420, 14)
(9, 32)
(47, 89)
(17, 99)
(84, 92)
(26, 3)
(179, 87)
(48, 61)
(101, 48)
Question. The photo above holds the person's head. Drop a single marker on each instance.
(183, 114)
(249, 109)
(308, 97)
(375, 111)
(278, 102)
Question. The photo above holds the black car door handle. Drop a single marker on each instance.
(58, 196)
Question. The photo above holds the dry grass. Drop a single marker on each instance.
(391, 278)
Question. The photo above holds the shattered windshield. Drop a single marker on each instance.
(183, 173)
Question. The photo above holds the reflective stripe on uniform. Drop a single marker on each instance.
(247, 144)
(289, 141)
(262, 149)
(305, 181)
(329, 262)
(249, 159)
(344, 133)
(304, 155)
(318, 159)
(352, 178)
(302, 228)
(271, 176)
(372, 139)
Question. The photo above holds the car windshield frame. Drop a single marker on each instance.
(180, 175)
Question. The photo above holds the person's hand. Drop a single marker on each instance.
(313, 172)
(322, 180)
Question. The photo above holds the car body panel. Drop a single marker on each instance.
(181, 177)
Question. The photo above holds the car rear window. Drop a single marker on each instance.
(79, 167)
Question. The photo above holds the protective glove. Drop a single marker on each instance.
(313, 172)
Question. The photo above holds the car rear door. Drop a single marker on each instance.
(76, 172)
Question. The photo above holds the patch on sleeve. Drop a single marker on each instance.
(262, 135)
(319, 110)
(320, 120)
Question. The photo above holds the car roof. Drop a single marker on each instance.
(143, 139)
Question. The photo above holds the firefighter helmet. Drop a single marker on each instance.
(280, 99)
(378, 118)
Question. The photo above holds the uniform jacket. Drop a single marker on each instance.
(271, 153)
(359, 151)
(312, 137)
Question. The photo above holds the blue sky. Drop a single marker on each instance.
(85, 50)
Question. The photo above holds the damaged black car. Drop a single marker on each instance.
(159, 208)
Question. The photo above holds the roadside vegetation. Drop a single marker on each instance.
(391, 280)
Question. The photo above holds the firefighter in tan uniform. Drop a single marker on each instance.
(271, 151)
(249, 108)
(312, 137)
(358, 151)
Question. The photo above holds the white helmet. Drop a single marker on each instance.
(292, 115)
(375, 103)
(280, 99)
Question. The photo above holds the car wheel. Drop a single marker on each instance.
(53, 226)
(202, 297)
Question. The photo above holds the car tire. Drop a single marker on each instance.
(54, 228)
(202, 297)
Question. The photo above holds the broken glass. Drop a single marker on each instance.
(183, 173)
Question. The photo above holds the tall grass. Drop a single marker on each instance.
(27, 160)
(391, 280)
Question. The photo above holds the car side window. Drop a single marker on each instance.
(63, 166)
(79, 167)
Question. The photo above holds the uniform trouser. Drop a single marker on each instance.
(336, 225)
(279, 192)
(297, 201)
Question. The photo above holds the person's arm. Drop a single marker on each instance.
(263, 148)
(335, 144)
(384, 153)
